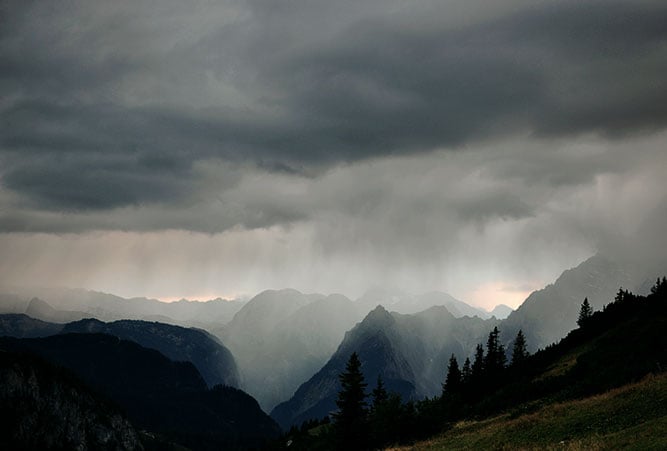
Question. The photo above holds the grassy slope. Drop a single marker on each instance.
(630, 417)
(578, 411)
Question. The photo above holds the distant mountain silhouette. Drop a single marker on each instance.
(398, 301)
(409, 351)
(108, 307)
(40, 309)
(160, 395)
(501, 311)
(419, 303)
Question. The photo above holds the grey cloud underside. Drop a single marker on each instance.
(95, 119)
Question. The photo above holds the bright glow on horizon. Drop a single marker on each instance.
(200, 297)
(489, 295)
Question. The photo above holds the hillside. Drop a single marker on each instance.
(633, 416)
(162, 396)
(45, 407)
(19, 325)
(604, 386)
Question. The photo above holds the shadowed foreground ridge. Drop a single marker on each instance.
(159, 395)
(45, 407)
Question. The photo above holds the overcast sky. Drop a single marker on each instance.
(219, 148)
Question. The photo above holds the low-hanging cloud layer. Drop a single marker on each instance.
(192, 148)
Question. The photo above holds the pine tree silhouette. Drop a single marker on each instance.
(660, 286)
(585, 312)
(351, 418)
(379, 394)
(519, 350)
(495, 359)
(453, 381)
(478, 364)
(466, 371)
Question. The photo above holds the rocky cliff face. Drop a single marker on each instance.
(44, 407)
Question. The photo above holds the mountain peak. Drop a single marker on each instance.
(379, 317)
(501, 311)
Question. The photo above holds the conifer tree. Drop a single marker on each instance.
(585, 312)
(379, 394)
(501, 357)
(519, 350)
(495, 359)
(622, 295)
(453, 380)
(660, 286)
(466, 371)
(350, 419)
(478, 363)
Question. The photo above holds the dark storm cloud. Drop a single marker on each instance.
(106, 106)
(569, 68)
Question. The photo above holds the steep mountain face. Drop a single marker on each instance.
(549, 314)
(44, 407)
(297, 347)
(158, 394)
(409, 351)
(107, 307)
(280, 338)
(215, 362)
(22, 326)
(259, 316)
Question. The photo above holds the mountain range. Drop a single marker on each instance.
(280, 338)
(410, 352)
(57, 304)
(211, 358)
(289, 346)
